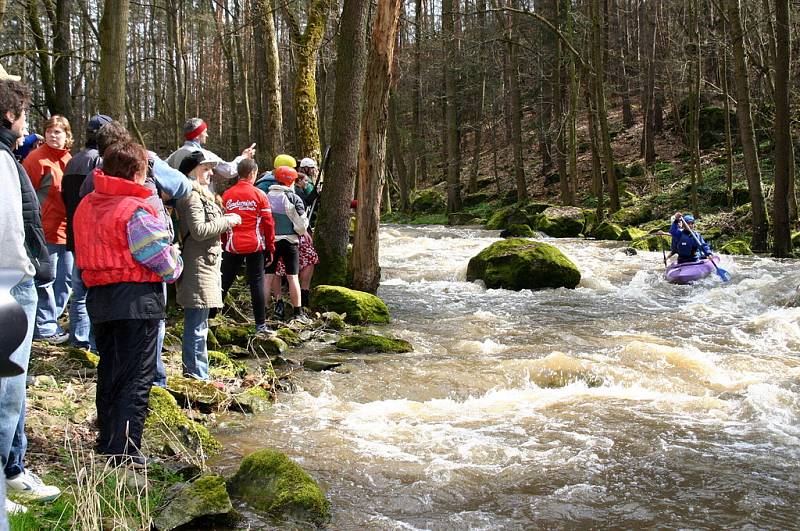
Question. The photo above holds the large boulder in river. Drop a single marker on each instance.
(270, 482)
(359, 306)
(561, 222)
(518, 263)
(373, 343)
(167, 429)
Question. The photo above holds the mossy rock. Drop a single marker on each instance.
(373, 343)
(636, 170)
(561, 222)
(518, 264)
(633, 215)
(607, 231)
(254, 399)
(206, 496)
(796, 239)
(169, 431)
(517, 231)
(428, 201)
(333, 320)
(226, 334)
(359, 306)
(319, 365)
(736, 247)
(85, 357)
(653, 242)
(590, 220)
(656, 225)
(630, 234)
(269, 346)
(191, 392)
(497, 221)
(270, 482)
(289, 336)
(221, 365)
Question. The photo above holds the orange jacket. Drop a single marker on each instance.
(45, 166)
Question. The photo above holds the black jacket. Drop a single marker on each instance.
(35, 244)
(75, 173)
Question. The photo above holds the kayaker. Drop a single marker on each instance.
(683, 244)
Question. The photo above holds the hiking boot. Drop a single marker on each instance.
(264, 329)
(15, 508)
(301, 317)
(30, 487)
(280, 310)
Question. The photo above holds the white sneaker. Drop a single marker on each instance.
(15, 508)
(30, 487)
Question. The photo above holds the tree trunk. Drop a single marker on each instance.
(305, 87)
(649, 100)
(272, 81)
(62, 50)
(333, 225)
(113, 57)
(420, 167)
(397, 155)
(476, 154)
(746, 130)
(599, 48)
(515, 106)
(723, 74)
(451, 123)
(784, 152)
(694, 103)
(372, 147)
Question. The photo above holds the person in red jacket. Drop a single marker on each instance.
(45, 166)
(125, 252)
(252, 242)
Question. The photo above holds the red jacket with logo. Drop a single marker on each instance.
(101, 232)
(257, 231)
(45, 166)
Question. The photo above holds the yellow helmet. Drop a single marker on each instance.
(284, 160)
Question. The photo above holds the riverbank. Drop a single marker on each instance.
(248, 370)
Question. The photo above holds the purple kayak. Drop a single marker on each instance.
(690, 271)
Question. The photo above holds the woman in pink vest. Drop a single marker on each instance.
(124, 252)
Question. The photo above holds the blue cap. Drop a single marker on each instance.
(688, 218)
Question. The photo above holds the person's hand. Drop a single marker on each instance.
(267, 258)
(233, 219)
(250, 152)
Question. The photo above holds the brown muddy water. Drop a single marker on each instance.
(626, 403)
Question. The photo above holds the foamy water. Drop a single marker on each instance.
(626, 402)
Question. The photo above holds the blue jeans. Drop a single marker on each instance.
(54, 295)
(161, 371)
(195, 334)
(80, 327)
(12, 390)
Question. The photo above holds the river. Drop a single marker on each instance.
(627, 402)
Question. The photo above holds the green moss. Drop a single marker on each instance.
(633, 215)
(607, 231)
(429, 219)
(631, 234)
(373, 343)
(497, 221)
(268, 346)
(221, 365)
(233, 334)
(204, 497)
(518, 263)
(289, 337)
(359, 306)
(561, 222)
(195, 393)
(796, 239)
(85, 357)
(271, 482)
(334, 321)
(428, 201)
(518, 231)
(736, 247)
(254, 399)
(653, 242)
(167, 424)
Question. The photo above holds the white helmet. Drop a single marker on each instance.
(308, 163)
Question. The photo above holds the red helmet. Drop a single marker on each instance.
(285, 175)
